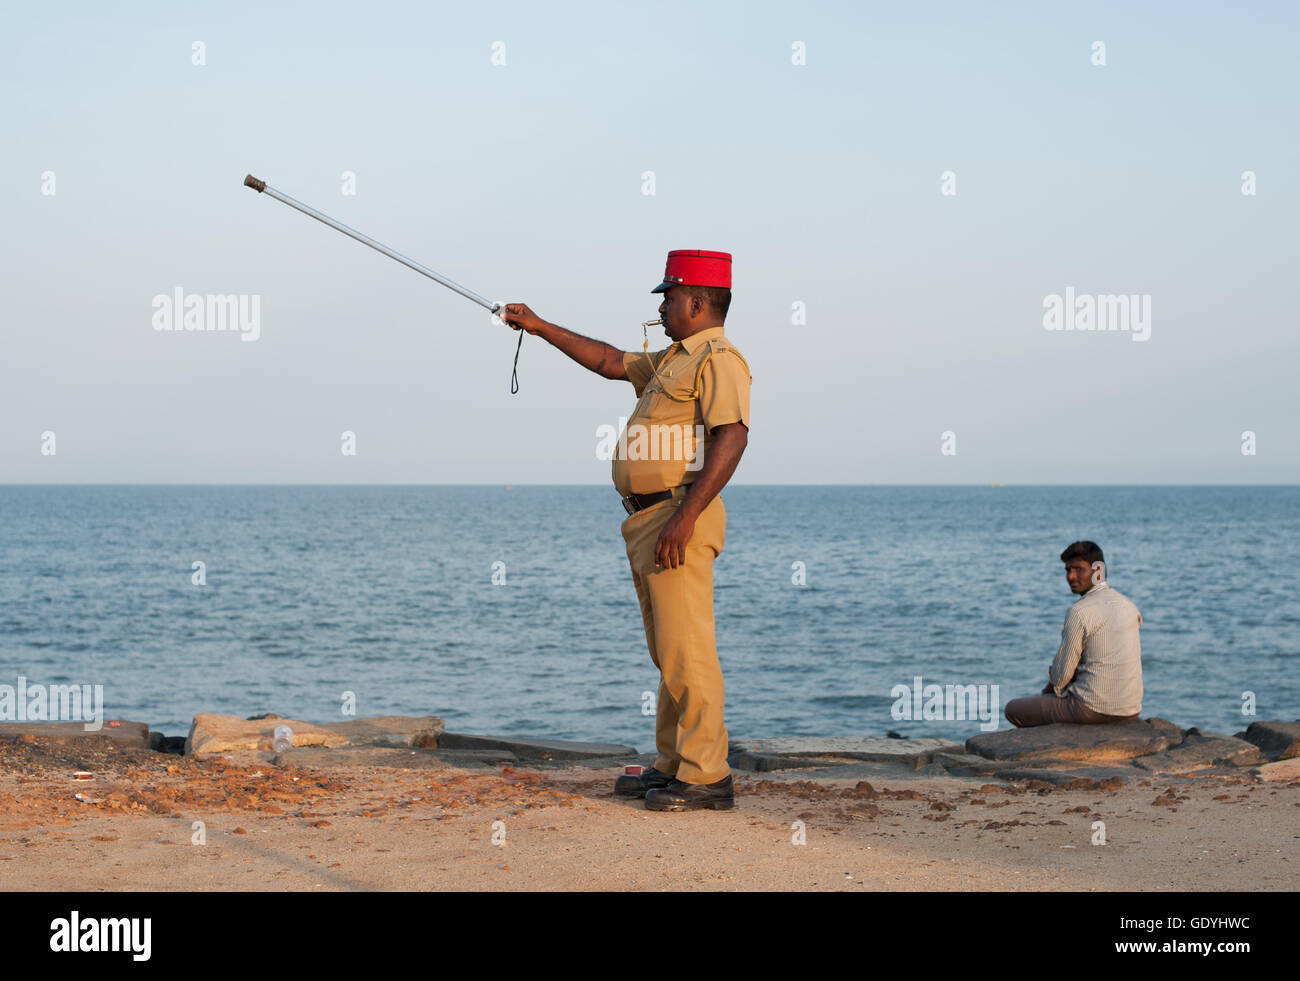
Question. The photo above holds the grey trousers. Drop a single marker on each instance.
(1041, 710)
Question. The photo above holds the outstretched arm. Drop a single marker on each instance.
(604, 359)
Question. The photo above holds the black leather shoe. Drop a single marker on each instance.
(629, 785)
(678, 796)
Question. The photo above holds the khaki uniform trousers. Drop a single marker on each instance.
(677, 610)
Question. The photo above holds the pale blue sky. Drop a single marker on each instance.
(523, 182)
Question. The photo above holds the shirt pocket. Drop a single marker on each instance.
(677, 389)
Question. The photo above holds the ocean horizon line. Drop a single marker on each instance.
(999, 485)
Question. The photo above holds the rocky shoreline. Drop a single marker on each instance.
(1084, 757)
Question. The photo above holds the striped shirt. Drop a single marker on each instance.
(1100, 659)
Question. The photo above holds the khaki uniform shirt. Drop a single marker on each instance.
(657, 449)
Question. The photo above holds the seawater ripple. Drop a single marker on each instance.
(388, 592)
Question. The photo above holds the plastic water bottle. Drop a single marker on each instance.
(282, 741)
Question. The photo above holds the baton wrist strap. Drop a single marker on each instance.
(514, 372)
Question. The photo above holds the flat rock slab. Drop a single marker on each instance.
(1164, 725)
(955, 761)
(1042, 763)
(913, 752)
(212, 733)
(769, 763)
(395, 757)
(1092, 744)
(391, 730)
(890, 771)
(340, 759)
(475, 757)
(1281, 770)
(1277, 740)
(1082, 777)
(535, 749)
(1199, 751)
(605, 762)
(113, 733)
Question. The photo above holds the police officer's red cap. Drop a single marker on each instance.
(695, 267)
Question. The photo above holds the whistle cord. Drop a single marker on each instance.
(654, 370)
(514, 373)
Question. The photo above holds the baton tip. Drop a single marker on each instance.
(255, 184)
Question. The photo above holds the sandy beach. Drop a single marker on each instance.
(397, 819)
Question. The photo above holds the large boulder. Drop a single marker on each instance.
(1094, 744)
(1276, 740)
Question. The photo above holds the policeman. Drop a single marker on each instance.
(679, 448)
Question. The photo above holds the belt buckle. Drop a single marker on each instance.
(628, 506)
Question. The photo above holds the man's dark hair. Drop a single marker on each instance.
(718, 298)
(1090, 552)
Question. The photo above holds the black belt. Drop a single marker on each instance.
(639, 502)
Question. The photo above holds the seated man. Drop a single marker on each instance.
(1096, 675)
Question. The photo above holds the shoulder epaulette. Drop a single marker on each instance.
(720, 345)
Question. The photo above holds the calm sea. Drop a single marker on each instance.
(389, 593)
